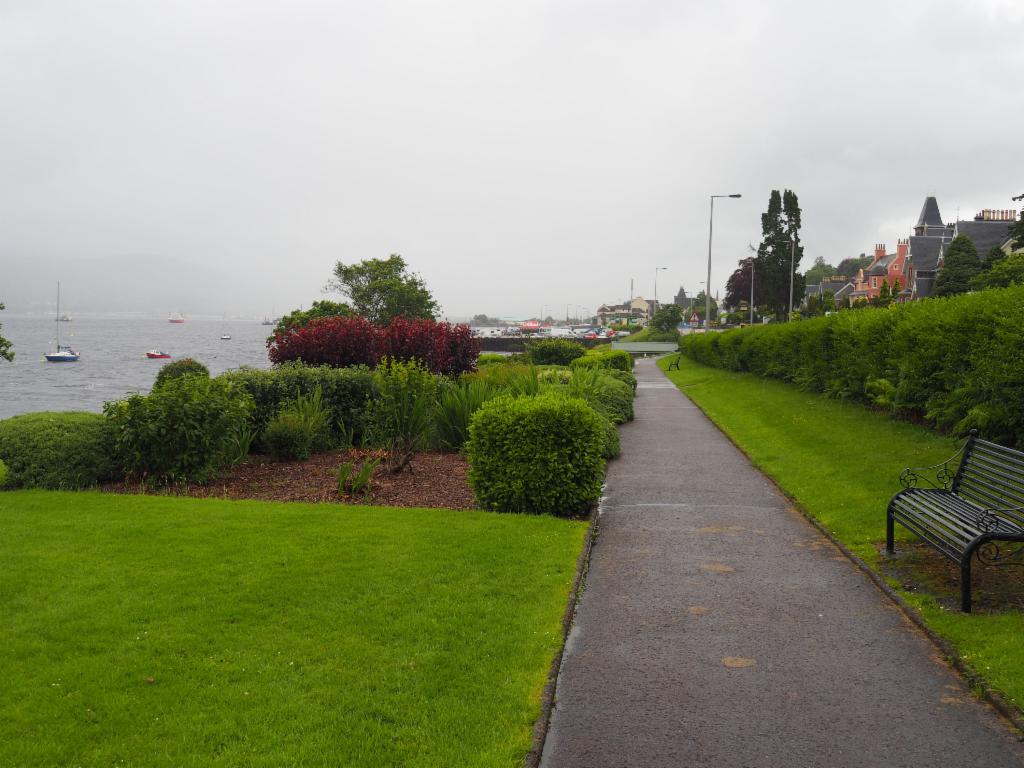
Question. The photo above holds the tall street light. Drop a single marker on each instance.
(792, 252)
(751, 290)
(707, 288)
(656, 271)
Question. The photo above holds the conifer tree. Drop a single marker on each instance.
(779, 224)
(960, 264)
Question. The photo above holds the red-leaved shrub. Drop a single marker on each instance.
(337, 341)
(342, 341)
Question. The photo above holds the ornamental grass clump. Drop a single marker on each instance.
(456, 405)
(537, 455)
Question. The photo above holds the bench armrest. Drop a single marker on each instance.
(943, 474)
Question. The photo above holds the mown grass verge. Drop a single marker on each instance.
(185, 632)
(840, 462)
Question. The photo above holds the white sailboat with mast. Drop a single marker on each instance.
(64, 352)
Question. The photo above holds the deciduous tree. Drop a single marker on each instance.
(382, 289)
(301, 317)
(5, 346)
(667, 318)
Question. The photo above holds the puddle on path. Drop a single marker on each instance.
(738, 662)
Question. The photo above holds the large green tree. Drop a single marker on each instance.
(1006, 272)
(5, 346)
(777, 260)
(382, 289)
(820, 271)
(667, 318)
(960, 264)
(848, 267)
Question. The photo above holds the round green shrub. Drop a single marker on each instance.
(57, 450)
(626, 377)
(611, 448)
(286, 437)
(606, 358)
(184, 431)
(537, 455)
(184, 367)
(554, 351)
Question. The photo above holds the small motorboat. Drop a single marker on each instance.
(155, 354)
(225, 337)
(176, 317)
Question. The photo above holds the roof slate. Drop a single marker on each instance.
(985, 234)
(924, 253)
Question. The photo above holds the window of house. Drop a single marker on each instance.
(874, 282)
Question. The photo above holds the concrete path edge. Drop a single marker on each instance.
(974, 680)
(547, 698)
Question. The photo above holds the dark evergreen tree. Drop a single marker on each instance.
(780, 224)
(884, 295)
(993, 257)
(960, 264)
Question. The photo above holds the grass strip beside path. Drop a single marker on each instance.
(841, 462)
(164, 631)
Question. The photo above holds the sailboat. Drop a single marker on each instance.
(64, 353)
(224, 335)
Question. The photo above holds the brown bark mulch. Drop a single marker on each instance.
(431, 480)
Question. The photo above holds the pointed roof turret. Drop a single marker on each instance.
(930, 216)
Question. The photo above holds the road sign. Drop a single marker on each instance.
(694, 318)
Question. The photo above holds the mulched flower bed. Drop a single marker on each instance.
(435, 480)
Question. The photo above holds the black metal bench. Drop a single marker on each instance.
(674, 365)
(965, 511)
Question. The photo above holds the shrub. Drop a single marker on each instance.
(554, 351)
(287, 437)
(625, 377)
(400, 416)
(605, 358)
(184, 367)
(610, 448)
(456, 405)
(346, 341)
(59, 450)
(3, 474)
(344, 393)
(492, 358)
(953, 362)
(443, 348)
(514, 379)
(537, 454)
(336, 341)
(185, 431)
(608, 396)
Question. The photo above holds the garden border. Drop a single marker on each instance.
(1014, 715)
(547, 700)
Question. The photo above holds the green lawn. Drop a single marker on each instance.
(841, 463)
(157, 631)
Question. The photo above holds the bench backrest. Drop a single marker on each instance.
(992, 476)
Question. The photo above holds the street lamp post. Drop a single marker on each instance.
(656, 271)
(707, 288)
(792, 253)
(751, 290)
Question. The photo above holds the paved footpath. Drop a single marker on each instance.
(719, 628)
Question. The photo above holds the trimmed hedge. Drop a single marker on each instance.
(3, 474)
(58, 450)
(957, 363)
(606, 358)
(554, 351)
(538, 455)
(345, 392)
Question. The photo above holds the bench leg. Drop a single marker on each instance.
(965, 584)
(889, 533)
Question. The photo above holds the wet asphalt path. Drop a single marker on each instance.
(719, 628)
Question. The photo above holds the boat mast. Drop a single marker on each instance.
(58, 315)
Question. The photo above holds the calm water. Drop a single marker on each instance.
(113, 357)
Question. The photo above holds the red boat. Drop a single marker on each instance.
(176, 318)
(155, 354)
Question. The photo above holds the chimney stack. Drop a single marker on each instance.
(902, 246)
(879, 251)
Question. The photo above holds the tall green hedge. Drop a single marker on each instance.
(957, 363)
(605, 358)
(57, 450)
(345, 392)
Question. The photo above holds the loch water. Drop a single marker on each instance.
(113, 361)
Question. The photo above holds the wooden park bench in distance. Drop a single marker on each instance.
(965, 511)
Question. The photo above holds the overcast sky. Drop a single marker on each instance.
(220, 157)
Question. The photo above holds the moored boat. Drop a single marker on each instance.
(176, 318)
(156, 354)
(64, 353)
